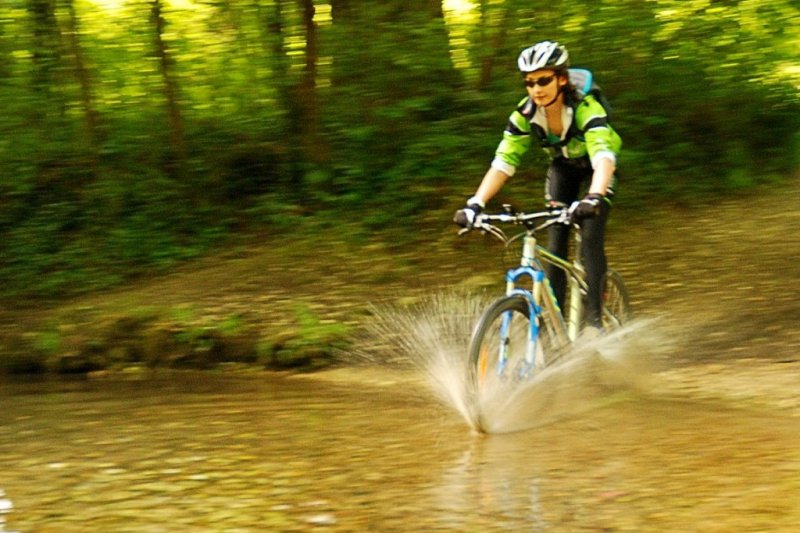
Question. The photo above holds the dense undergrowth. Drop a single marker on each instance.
(128, 341)
(130, 153)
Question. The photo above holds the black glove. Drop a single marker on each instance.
(586, 208)
(466, 217)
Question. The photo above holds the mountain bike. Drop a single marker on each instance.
(525, 330)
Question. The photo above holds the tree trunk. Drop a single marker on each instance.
(5, 53)
(492, 37)
(307, 89)
(82, 75)
(171, 90)
(273, 35)
(46, 54)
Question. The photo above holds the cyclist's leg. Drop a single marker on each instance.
(562, 185)
(594, 260)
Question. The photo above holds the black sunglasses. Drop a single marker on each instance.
(541, 82)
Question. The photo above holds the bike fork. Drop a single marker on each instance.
(534, 355)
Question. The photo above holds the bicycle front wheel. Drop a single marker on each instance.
(500, 343)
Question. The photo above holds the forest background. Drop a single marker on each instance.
(140, 133)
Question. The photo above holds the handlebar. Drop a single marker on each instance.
(532, 221)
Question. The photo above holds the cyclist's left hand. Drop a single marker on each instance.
(587, 208)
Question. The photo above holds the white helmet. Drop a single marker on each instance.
(545, 54)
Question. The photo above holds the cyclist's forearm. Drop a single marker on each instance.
(491, 184)
(603, 174)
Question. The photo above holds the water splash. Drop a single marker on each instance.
(5, 507)
(591, 373)
(433, 336)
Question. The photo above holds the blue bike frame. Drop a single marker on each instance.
(529, 268)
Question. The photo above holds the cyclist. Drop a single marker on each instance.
(574, 128)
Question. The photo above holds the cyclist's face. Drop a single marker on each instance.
(543, 94)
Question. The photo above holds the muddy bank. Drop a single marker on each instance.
(723, 276)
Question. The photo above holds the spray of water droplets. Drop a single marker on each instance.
(433, 336)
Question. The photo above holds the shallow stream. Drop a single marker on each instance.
(374, 449)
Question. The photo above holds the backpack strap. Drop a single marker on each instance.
(583, 80)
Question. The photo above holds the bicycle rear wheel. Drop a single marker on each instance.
(616, 301)
(500, 342)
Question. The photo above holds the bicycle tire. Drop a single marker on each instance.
(616, 301)
(484, 351)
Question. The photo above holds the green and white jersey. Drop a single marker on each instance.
(586, 133)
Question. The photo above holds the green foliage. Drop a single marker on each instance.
(48, 342)
(21, 355)
(312, 344)
(313, 329)
(115, 161)
(727, 138)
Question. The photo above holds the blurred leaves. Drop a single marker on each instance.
(394, 111)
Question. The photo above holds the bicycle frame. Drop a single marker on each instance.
(542, 295)
(543, 307)
(526, 327)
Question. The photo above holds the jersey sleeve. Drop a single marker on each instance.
(515, 143)
(601, 139)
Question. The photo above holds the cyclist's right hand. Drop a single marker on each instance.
(586, 208)
(465, 217)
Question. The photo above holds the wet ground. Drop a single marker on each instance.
(702, 438)
(366, 451)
